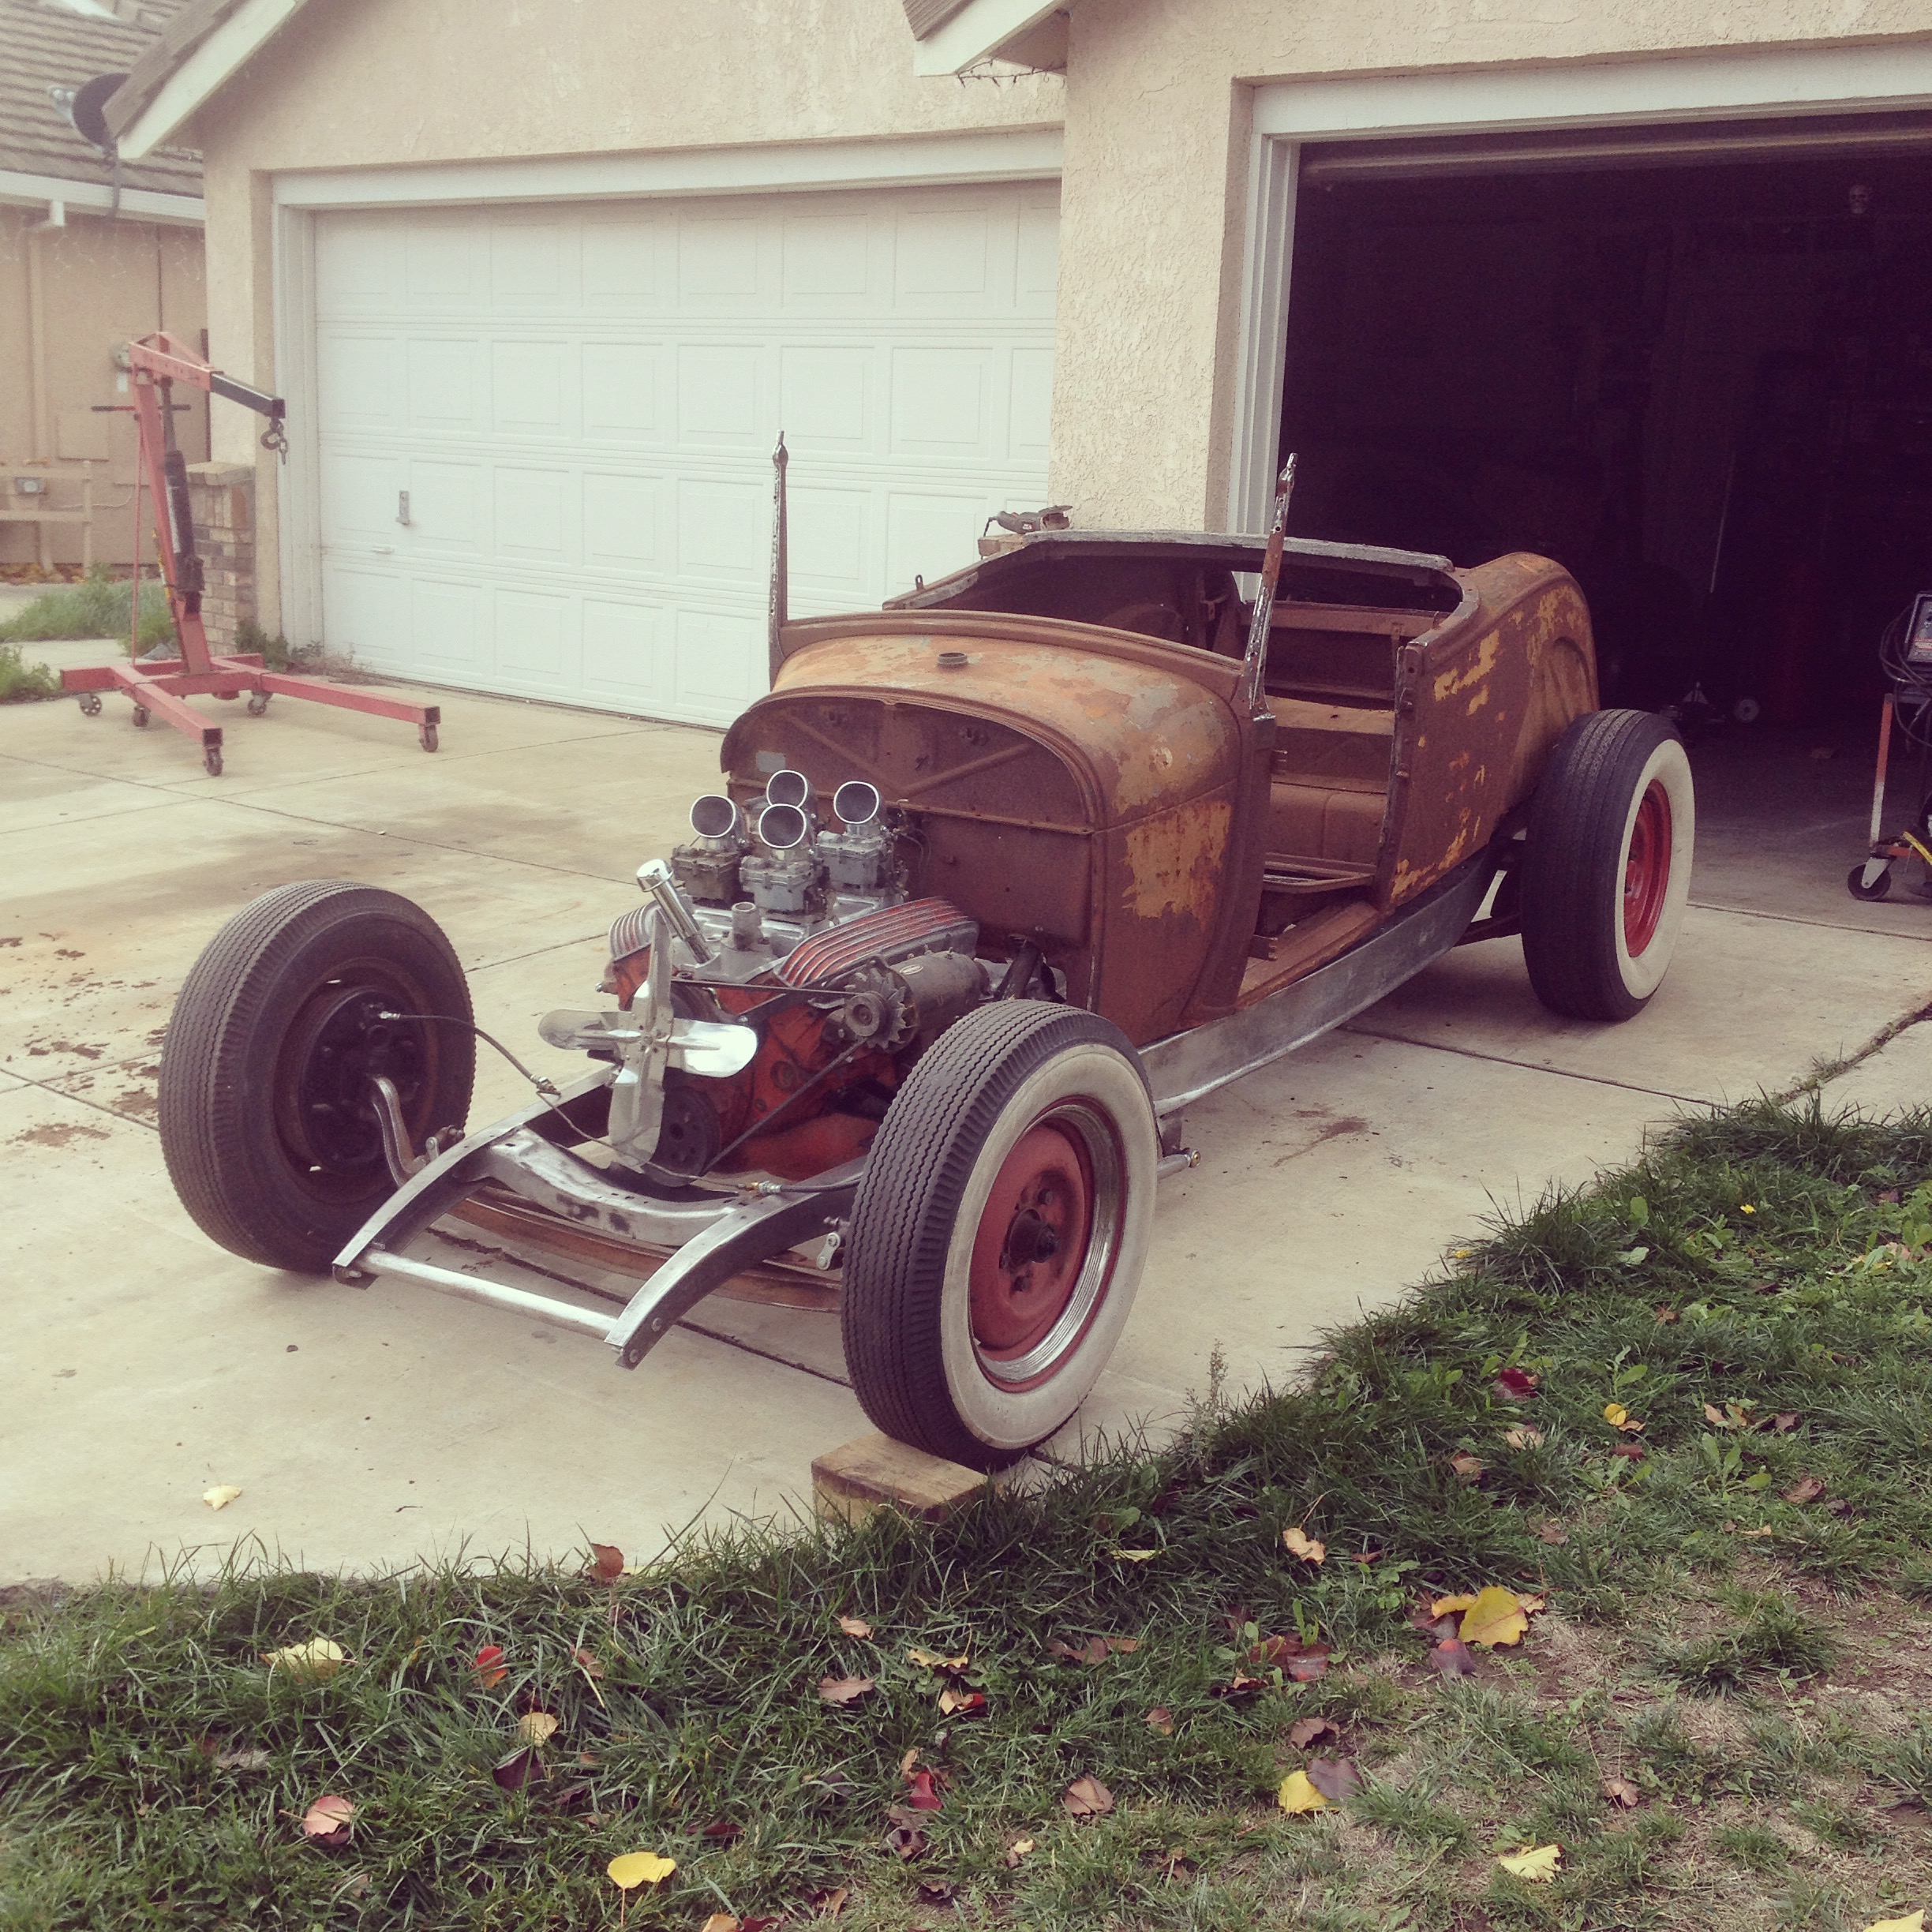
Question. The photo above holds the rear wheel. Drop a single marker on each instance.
(266, 1118)
(1607, 864)
(1000, 1231)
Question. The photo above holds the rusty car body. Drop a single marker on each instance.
(1103, 844)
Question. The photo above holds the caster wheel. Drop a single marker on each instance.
(141, 716)
(1855, 886)
(1747, 710)
(258, 704)
(427, 734)
(90, 704)
(211, 761)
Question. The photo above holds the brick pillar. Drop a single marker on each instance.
(223, 496)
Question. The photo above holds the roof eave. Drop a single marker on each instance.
(977, 32)
(23, 190)
(208, 66)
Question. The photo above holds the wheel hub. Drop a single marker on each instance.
(1031, 1242)
(342, 1038)
(1646, 868)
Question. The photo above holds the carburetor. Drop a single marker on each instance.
(707, 868)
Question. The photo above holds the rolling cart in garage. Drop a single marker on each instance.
(1905, 651)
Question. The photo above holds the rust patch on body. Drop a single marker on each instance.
(1174, 861)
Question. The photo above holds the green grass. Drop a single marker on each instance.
(96, 607)
(21, 682)
(1764, 1261)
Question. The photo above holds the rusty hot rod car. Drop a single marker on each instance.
(1000, 879)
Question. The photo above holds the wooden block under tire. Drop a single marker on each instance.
(851, 1481)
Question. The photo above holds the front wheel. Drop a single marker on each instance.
(1000, 1231)
(1607, 864)
(298, 1004)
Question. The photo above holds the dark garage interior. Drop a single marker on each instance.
(1701, 382)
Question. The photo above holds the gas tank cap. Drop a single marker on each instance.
(952, 660)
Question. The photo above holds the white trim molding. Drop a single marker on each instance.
(1781, 83)
(977, 32)
(1026, 154)
(241, 35)
(97, 197)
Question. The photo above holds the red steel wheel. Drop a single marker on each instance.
(1647, 870)
(1000, 1231)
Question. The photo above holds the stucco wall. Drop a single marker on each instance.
(370, 83)
(1152, 201)
(95, 283)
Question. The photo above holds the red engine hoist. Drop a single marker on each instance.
(157, 686)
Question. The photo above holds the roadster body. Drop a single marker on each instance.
(999, 879)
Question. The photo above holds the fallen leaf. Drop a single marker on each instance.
(1017, 1850)
(316, 1659)
(1309, 1669)
(490, 1669)
(1763, 1529)
(843, 1691)
(1634, 1452)
(242, 1760)
(535, 1726)
(1095, 1649)
(1515, 1384)
(1783, 1423)
(1447, 1606)
(722, 1830)
(1126, 1646)
(1298, 1794)
(607, 1563)
(1805, 1489)
(587, 1663)
(960, 1703)
(328, 1820)
(1304, 1731)
(1538, 1865)
(630, 1869)
(1128, 1556)
(521, 1767)
(936, 1891)
(928, 1660)
(1618, 1417)
(1467, 1467)
(1716, 1417)
(1240, 1687)
(1915, 1922)
(1532, 1606)
(1668, 1315)
(829, 1903)
(1299, 1543)
(721, 1922)
(854, 1626)
(221, 1495)
(1551, 1533)
(906, 1842)
(1087, 1797)
(1522, 1437)
(1453, 1658)
(1497, 1617)
(1334, 1777)
(920, 1795)
(1160, 1720)
(1622, 1791)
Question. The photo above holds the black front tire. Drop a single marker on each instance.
(264, 1119)
(1606, 870)
(1025, 1119)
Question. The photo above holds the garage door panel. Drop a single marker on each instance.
(535, 634)
(623, 519)
(627, 655)
(582, 403)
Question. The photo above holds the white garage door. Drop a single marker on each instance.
(545, 433)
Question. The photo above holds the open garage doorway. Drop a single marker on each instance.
(1700, 379)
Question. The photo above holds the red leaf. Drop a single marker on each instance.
(723, 1829)
(1240, 1687)
(920, 1796)
(1634, 1452)
(326, 1822)
(1515, 1384)
(1805, 1489)
(1334, 1777)
(521, 1767)
(587, 1663)
(490, 1670)
(1453, 1658)
(607, 1562)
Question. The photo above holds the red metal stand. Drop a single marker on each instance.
(157, 688)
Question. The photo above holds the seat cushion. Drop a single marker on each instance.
(1325, 822)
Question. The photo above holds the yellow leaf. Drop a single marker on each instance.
(535, 1726)
(1914, 1923)
(316, 1658)
(1297, 1794)
(930, 1661)
(1299, 1543)
(1496, 1617)
(1447, 1606)
(1616, 1414)
(1539, 1865)
(1523, 1437)
(637, 1868)
(221, 1495)
(721, 1922)
(1135, 1556)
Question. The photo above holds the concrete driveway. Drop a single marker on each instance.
(367, 1428)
